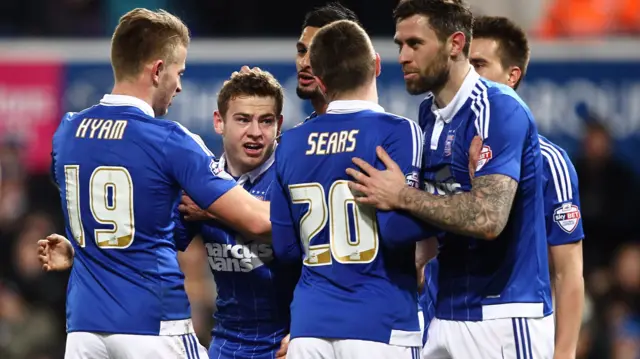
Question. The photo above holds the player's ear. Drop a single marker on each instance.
(156, 68)
(514, 76)
(218, 122)
(279, 122)
(378, 65)
(457, 40)
(321, 85)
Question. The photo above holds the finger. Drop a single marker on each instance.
(46, 267)
(245, 69)
(364, 166)
(43, 259)
(365, 200)
(358, 176)
(182, 208)
(359, 190)
(187, 200)
(55, 238)
(256, 69)
(42, 250)
(386, 159)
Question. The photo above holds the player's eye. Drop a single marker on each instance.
(268, 121)
(302, 51)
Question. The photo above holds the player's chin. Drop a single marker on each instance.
(307, 92)
(415, 87)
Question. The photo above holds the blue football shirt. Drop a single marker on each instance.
(254, 290)
(358, 279)
(120, 172)
(506, 277)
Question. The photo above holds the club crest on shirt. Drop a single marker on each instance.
(413, 179)
(213, 166)
(448, 142)
(567, 217)
(485, 155)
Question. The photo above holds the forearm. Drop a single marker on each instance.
(482, 213)
(569, 293)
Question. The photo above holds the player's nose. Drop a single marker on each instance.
(254, 129)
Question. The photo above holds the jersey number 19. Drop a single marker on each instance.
(110, 204)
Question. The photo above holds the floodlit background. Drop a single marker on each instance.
(583, 87)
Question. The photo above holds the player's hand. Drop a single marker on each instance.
(377, 188)
(474, 155)
(245, 69)
(191, 211)
(55, 253)
(284, 347)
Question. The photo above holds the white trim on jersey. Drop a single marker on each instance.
(196, 138)
(480, 106)
(559, 171)
(417, 141)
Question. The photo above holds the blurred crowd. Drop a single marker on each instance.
(89, 18)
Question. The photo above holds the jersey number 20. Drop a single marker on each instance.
(110, 203)
(353, 230)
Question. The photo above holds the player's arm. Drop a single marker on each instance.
(404, 145)
(286, 240)
(426, 250)
(192, 166)
(564, 235)
(484, 210)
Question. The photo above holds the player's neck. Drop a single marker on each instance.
(127, 88)
(368, 92)
(236, 169)
(319, 105)
(458, 73)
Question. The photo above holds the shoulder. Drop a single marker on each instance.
(498, 97)
(556, 160)
(497, 106)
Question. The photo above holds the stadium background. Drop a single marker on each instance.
(583, 87)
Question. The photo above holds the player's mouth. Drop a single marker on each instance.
(410, 75)
(305, 79)
(253, 149)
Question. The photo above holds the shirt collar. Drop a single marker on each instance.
(125, 100)
(448, 112)
(252, 175)
(350, 106)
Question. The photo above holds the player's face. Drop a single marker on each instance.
(307, 87)
(249, 130)
(169, 84)
(484, 56)
(424, 58)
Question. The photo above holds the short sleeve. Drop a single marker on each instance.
(285, 239)
(503, 124)
(562, 201)
(404, 145)
(192, 165)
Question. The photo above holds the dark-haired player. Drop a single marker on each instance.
(494, 297)
(500, 52)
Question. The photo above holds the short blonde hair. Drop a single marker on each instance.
(143, 35)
